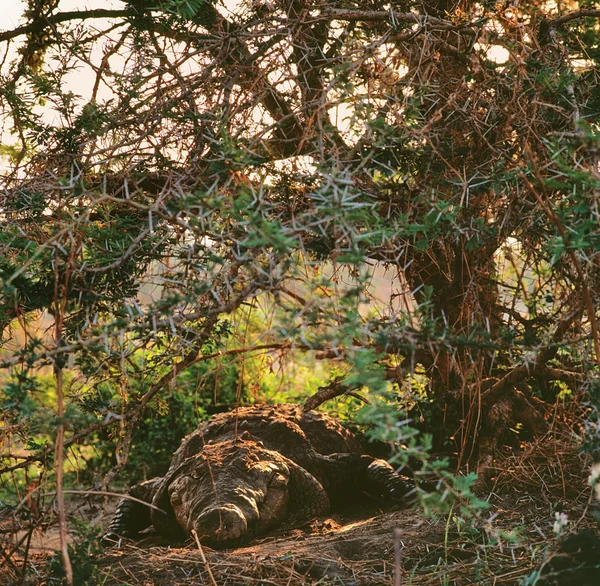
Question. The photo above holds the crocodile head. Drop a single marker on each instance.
(235, 489)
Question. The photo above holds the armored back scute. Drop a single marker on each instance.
(244, 472)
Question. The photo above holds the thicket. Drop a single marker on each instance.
(206, 203)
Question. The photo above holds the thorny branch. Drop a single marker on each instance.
(257, 170)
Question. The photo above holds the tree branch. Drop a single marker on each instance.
(393, 17)
(65, 17)
(574, 16)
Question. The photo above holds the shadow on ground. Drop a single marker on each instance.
(330, 551)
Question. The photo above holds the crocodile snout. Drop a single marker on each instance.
(221, 524)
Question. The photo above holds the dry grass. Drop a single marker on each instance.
(371, 547)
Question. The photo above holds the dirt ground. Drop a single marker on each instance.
(365, 546)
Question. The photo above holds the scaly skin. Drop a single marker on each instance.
(243, 473)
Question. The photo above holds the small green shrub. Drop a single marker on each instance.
(83, 553)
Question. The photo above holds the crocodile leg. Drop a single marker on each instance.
(348, 474)
(382, 480)
(132, 516)
(308, 498)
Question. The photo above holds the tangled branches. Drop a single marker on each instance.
(196, 165)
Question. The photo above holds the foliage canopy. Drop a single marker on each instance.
(229, 180)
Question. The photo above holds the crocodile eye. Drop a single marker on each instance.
(278, 480)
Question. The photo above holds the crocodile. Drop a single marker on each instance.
(245, 472)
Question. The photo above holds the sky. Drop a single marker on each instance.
(11, 16)
(11, 10)
(9, 13)
(82, 80)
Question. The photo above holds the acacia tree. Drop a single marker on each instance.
(278, 152)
